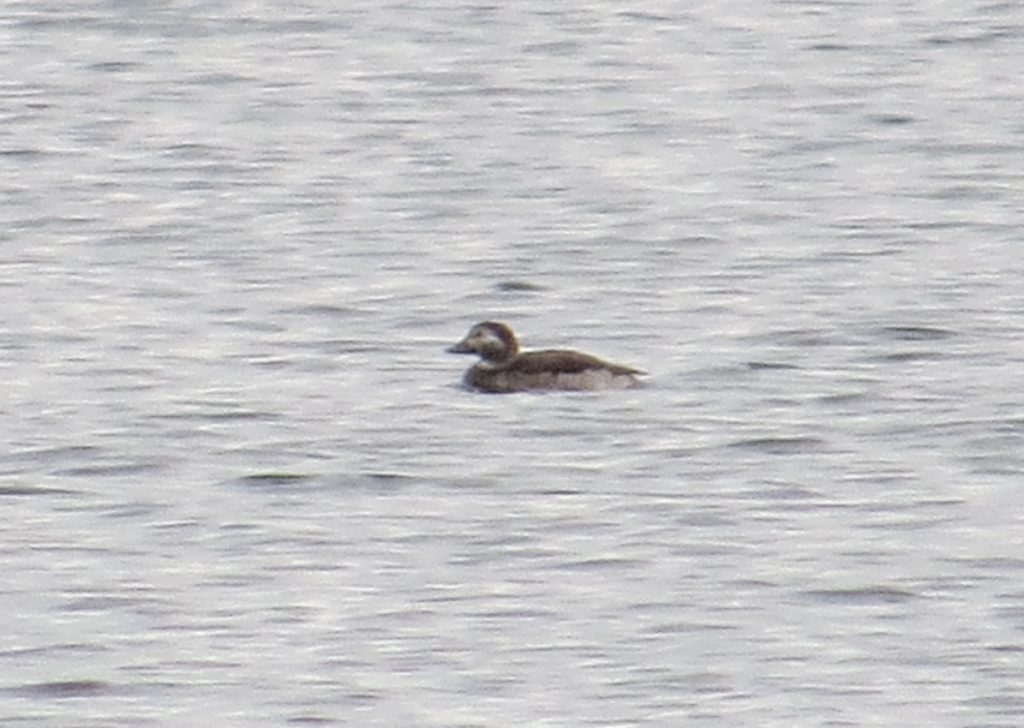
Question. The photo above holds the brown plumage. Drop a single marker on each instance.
(504, 369)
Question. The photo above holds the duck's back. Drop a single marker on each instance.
(564, 361)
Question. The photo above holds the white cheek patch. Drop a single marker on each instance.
(486, 337)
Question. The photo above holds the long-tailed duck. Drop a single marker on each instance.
(503, 369)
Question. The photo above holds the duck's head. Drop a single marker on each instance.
(494, 342)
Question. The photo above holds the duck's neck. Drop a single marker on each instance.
(497, 356)
(496, 360)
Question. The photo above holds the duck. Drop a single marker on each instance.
(503, 368)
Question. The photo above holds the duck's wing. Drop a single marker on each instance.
(563, 361)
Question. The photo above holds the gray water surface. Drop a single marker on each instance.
(242, 487)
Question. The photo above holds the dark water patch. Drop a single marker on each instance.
(218, 79)
(1010, 424)
(354, 346)
(909, 356)
(707, 519)
(598, 564)
(768, 365)
(973, 39)
(295, 25)
(864, 231)
(465, 482)
(554, 48)
(891, 119)
(934, 225)
(1004, 444)
(238, 415)
(965, 192)
(888, 524)
(104, 603)
(781, 493)
(503, 556)
(66, 689)
(139, 379)
(958, 149)
(516, 613)
(495, 539)
(113, 66)
(50, 649)
(689, 240)
(644, 17)
(519, 287)
(267, 361)
(384, 482)
(388, 477)
(687, 628)
(1011, 649)
(864, 595)
(321, 720)
(46, 221)
(128, 388)
(274, 480)
(558, 492)
(325, 310)
(429, 84)
(112, 469)
(1004, 704)
(190, 524)
(997, 563)
(133, 511)
(31, 490)
(780, 445)
(835, 47)
(120, 371)
(192, 150)
(22, 153)
(797, 337)
(938, 502)
(843, 398)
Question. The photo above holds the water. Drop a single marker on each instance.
(241, 486)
